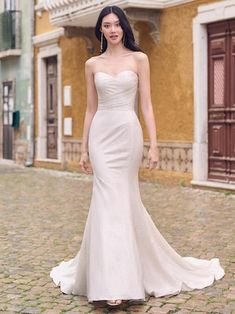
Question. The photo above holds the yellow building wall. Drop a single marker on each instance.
(42, 24)
(74, 55)
(171, 62)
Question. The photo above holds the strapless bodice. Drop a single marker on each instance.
(116, 92)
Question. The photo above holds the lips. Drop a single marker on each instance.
(114, 36)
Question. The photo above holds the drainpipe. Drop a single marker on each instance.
(30, 136)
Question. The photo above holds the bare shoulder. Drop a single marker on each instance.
(142, 62)
(140, 56)
(91, 62)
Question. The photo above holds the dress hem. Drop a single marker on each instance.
(183, 287)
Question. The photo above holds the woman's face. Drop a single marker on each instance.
(112, 29)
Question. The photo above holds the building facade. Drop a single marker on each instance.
(16, 81)
(190, 48)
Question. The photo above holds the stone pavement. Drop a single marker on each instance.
(43, 213)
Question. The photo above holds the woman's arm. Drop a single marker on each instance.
(147, 107)
(90, 112)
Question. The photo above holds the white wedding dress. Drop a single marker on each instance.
(123, 255)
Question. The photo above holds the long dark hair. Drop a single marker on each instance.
(129, 40)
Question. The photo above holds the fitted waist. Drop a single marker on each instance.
(115, 117)
(116, 106)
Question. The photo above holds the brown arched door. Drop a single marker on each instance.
(221, 101)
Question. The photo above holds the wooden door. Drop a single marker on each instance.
(8, 107)
(221, 101)
(52, 112)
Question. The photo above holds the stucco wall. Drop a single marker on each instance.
(74, 55)
(42, 24)
(171, 62)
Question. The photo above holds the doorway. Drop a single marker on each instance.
(8, 107)
(52, 108)
(221, 101)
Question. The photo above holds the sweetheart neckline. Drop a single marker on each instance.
(116, 75)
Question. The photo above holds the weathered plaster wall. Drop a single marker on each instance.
(42, 24)
(74, 55)
(171, 62)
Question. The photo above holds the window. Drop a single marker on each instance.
(9, 5)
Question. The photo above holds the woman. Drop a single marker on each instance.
(123, 256)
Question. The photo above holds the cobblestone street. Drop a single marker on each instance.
(43, 214)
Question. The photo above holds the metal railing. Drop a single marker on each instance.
(10, 30)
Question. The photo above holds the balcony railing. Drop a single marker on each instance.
(10, 30)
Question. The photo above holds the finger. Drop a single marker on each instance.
(153, 165)
(81, 163)
(84, 167)
(87, 169)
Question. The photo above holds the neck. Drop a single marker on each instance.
(115, 50)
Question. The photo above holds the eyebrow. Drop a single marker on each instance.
(110, 23)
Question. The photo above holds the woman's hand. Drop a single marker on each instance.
(84, 163)
(152, 158)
